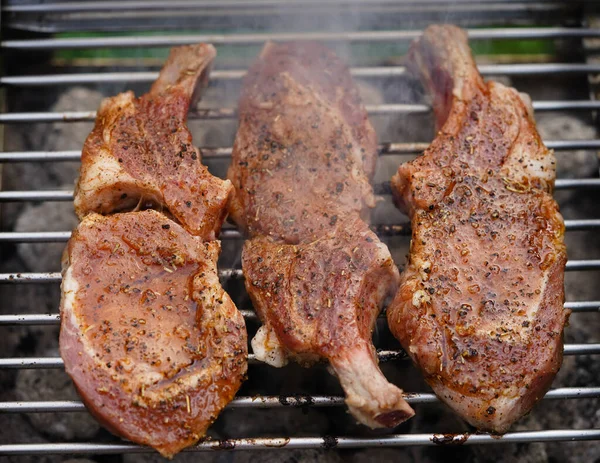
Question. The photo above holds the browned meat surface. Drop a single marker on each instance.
(480, 304)
(153, 343)
(318, 277)
(141, 152)
(305, 150)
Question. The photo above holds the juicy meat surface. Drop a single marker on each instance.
(305, 151)
(318, 277)
(141, 153)
(321, 300)
(155, 346)
(480, 304)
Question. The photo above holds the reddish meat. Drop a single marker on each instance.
(305, 150)
(302, 160)
(321, 300)
(141, 153)
(153, 343)
(480, 304)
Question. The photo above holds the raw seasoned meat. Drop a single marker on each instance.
(155, 346)
(321, 300)
(480, 304)
(318, 277)
(305, 151)
(141, 153)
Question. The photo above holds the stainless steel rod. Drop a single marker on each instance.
(54, 318)
(230, 113)
(296, 401)
(381, 189)
(583, 306)
(54, 277)
(270, 443)
(524, 33)
(386, 230)
(385, 149)
(104, 6)
(383, 355)
(62, 236)
(518, 69)
(568, 183)
(592, 264)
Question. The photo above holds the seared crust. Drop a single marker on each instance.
(153, 343)
(480, 305)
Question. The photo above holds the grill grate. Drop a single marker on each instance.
(401, 150)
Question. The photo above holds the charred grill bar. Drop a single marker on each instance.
(17, 15)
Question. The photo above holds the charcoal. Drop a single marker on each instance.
(183, 457)
(570, 164)
(273, 422)
(54, 384)
(287, 456)
(44, 257)
(17, 429)
(390, 455)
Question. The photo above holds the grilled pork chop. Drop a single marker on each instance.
(302, 161)
(305, 151)
(480, 304)
(320, 300)
(141, 151)
(155, 346)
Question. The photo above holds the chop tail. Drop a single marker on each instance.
(186, 69)
(443, 60)
(372, 400)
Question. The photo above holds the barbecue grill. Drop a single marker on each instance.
(371, 35)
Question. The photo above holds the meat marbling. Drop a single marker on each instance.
(154, 345)
(302, 161)
(480, 304)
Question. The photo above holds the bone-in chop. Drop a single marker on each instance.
(480, 304)
(141, 151)
(302, 162)
(154, 345)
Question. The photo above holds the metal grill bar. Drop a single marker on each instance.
(380, 189)
(383, 356)
(103, 6)
(519, 69)
(384, 230)
(525, 33)
(282, 401)
(230, 113)
(62, 236)
(265, 443)
(385, 149)
(54, 319)
(55, 277)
